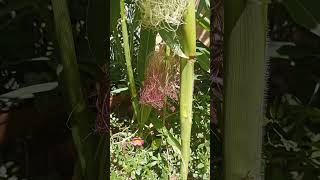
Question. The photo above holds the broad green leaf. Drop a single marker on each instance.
(147, 44)
(203, 56)
(174, 142)
(29, 91)
(305, 13)
(173, 42)
(114, 13)
(143, 114)
(202, 21)
(169, 136)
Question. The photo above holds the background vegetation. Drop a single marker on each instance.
(37, 119)
(291, 127)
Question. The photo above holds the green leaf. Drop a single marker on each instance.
(274, 46)
(113, 176)
(202, 21)
(147, 44)
(170, 138)
(154, 158)
(117, 91)
(114, 14)
(200, 166)
(305, 13)
(172, 141)
(297, 51)
(101, 157)
(156, 143)
(29, 91)
(173, 42)
(143, 114)
(203, 58)
(153, 163)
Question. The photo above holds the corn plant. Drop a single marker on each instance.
(91, 149)
(164, 74)
(186, 85)
(245, 70)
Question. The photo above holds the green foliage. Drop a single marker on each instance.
(159, 157)
(305, 13)
(147, 45)
(203, 56)
(173, 42)
(291, 140)
(292, 117)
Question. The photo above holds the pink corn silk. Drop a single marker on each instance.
(155, 88)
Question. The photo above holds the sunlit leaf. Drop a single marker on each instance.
(173, 42)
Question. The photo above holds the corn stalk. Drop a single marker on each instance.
(244, 83)
(74, 96)
(186, 84)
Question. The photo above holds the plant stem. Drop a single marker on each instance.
(186, 85)
(134, 98)
(73, 90)
(244, 84)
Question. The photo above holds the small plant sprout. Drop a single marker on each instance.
(162, 14)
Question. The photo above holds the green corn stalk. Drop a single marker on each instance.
(245, 70)
(70, 78)
(141, 113)
(134, 97)
(188, 30)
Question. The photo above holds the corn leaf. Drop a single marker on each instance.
(147, 44)
(173, 42)
(305, 13)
